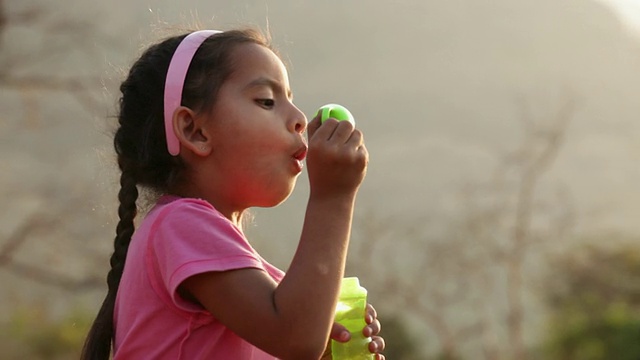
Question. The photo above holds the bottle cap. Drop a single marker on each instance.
(350, 287)
(337, 112)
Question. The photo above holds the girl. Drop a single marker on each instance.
(207, 122)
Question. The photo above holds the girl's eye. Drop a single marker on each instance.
(267, 103)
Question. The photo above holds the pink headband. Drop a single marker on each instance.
(175, 81)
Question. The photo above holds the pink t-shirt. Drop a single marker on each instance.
(180, 238)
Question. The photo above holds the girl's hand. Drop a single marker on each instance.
(376, 346)
(337, 157)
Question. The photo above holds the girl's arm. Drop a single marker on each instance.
(292, 320)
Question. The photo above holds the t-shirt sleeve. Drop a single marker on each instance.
(193, 238)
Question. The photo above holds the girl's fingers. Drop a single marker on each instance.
(322, 131)
(356, 138)
(373, 325)
(313, 126)
(372, 329)
(343, 132)
(338, 132)
(376, 345)
(339, 333)
(371, 314)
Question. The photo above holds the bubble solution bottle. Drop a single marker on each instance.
(350, 313)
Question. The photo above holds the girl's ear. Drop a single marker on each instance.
(190, 133)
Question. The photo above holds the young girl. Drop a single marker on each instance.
(207, 122)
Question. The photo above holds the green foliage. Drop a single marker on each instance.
(400, 342)
(32, 334)
(594, 296)
(446, 357)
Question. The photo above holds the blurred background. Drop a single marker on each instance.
(499, 216)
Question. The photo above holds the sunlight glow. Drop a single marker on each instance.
(628, 11)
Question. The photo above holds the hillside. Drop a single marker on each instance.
(443, 90)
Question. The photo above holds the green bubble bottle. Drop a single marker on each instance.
(350, 313)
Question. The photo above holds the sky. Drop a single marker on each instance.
(628, 11)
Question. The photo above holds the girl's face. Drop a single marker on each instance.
(257, 132)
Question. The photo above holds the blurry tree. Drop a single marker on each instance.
(42, 224)
(593, 294)
(464, 277)
(3, 18)
(75, 37)
(47, 59)
(25, 70)
(401, 342)
(32, 333)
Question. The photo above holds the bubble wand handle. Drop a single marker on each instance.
(337, 112)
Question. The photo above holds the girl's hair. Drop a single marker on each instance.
(141, 147)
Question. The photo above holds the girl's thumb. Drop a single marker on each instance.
(339, 333)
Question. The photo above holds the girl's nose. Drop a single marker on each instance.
(299, 120)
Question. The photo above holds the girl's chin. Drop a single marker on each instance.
(277, 199)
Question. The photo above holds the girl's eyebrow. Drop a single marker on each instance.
(270, 83)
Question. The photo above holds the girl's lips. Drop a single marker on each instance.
(301, 153)
(299, 157)
(298, 166)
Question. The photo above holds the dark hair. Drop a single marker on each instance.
(141, 147)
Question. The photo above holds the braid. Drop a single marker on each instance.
(127, 212)
(101, 335)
